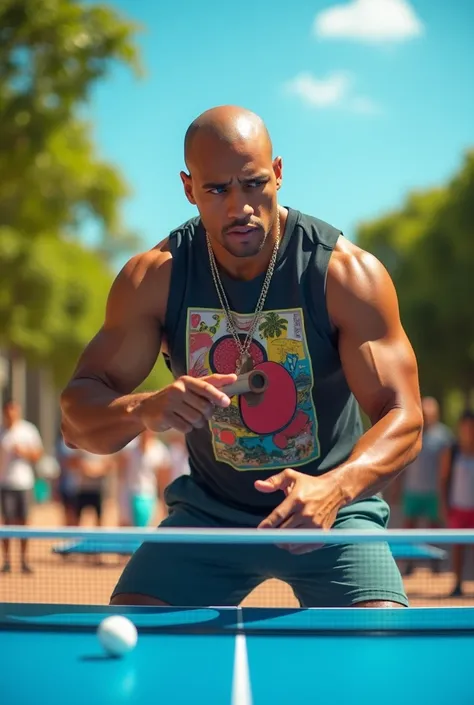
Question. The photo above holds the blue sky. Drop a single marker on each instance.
(364, 100)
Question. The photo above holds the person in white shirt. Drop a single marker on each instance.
(143, 466)
(20, 448)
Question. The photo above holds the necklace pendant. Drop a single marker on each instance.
(245, 364)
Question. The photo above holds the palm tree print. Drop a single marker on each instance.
(272, 325)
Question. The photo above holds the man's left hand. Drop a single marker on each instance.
(310, 503)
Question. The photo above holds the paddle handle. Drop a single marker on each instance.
(254, 381)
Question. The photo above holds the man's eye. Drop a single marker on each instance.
(256, 183)
(218, 190)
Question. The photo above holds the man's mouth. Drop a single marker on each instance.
(242, 230)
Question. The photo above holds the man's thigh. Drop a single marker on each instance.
(348, 575)
(189, 574)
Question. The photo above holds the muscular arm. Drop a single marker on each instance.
(94, 404)
(380, 367)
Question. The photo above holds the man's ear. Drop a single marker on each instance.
(278, 171)
(188, 186)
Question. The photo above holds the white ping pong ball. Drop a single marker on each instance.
(117, 634)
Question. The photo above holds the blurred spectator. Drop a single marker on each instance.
(176, 443)
(20, 448)
(144, 469)
(179, 458)
(66, 486)
(457, 489)
(91, 472)
(421, 478)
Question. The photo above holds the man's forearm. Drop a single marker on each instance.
(380, 455)
(97, 419)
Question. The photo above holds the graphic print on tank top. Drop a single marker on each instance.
(282, 430)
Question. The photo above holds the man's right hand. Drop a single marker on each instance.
(185, 404)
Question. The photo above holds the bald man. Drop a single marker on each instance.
(249, 283)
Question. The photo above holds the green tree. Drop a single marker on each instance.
(428, 248)
(53, 185)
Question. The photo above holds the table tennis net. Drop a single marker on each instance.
(83, 567)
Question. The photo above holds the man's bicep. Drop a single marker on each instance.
(378, 360)
(121, 357)
(381, 375)
(125, 349)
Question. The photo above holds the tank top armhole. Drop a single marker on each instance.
(326, 254)
(177, 290)
(319, 307)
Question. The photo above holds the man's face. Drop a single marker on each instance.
(235, 189)
(11, 414)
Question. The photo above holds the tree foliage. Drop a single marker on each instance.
(54, 187)
(428, 248)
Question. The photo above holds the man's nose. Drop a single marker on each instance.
(238, 207)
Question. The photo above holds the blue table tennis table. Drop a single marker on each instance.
(93, 547)
(238, 656)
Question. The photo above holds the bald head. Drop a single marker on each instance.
(233, 179)
(227, 126)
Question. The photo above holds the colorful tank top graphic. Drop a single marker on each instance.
(281, 431)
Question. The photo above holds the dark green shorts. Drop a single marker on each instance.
(220, 575)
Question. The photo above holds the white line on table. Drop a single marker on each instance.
(241, 690)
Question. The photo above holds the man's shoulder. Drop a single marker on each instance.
(318, 231)
(187, 229)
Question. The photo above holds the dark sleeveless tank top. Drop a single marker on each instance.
(308, 418)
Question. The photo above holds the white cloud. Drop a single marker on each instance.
(334, 91)
(320, 93)
(370, 21)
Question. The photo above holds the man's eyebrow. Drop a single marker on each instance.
(216, 184)
(255, 177)
(246, 180)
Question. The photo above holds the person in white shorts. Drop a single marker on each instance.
(144, 467)
(20, 448)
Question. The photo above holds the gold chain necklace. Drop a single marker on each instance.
(244, 362)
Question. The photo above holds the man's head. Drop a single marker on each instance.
(233, 179)
(430, 408)
(466, 432)
(11, 413)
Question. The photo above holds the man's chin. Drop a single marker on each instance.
(244, 247)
